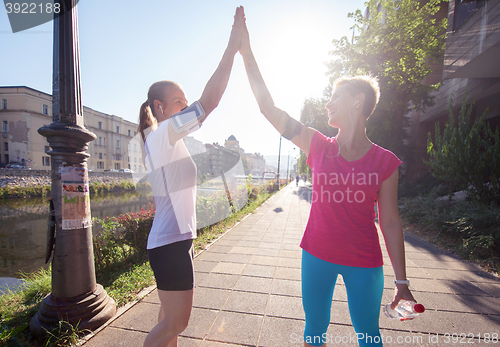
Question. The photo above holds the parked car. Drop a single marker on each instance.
(14, 166)
(111, 170)
(126, 170)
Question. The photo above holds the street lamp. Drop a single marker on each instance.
(279, 157)
(76, 297)
(288, 165)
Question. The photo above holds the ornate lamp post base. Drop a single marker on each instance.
(87, 311)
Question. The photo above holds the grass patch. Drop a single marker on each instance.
(16, 309)
(125, 282)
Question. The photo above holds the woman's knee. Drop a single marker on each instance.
(173, 326)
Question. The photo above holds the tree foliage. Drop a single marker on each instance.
(315, 115)
(397, 42)
(467, 155)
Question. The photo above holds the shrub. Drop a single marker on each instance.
(467, 155)
(122, 238)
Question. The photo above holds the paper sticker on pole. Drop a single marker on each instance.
(75, 198)
(26, 14)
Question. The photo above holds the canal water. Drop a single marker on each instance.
(23, 227)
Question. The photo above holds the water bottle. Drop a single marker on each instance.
(405, 310)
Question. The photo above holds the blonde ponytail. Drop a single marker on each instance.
(147, 119)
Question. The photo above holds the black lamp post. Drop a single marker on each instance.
(288, 166)
(76, 297)
(279, 158)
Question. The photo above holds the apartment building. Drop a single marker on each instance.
(471, 69)
(23, 110)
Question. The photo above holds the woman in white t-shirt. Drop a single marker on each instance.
(172, 175)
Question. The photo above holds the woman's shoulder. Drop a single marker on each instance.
(385, 156)
(383, 151)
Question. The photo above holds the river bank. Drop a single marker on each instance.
(23, 178)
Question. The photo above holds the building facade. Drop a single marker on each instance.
(24, 110)
(470, 70)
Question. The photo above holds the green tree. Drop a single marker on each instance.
(467, 155)
(398, 42)
(315, 115)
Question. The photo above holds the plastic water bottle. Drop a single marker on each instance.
(405, 310)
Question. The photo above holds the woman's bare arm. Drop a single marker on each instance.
(291, 129)
(217, 84)
(392, 229)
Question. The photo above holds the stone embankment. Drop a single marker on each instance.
(36, 178)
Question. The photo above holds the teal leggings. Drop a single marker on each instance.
(364, 288)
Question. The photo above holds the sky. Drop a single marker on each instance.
(126, 46)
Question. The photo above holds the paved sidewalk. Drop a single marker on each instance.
(248, 291)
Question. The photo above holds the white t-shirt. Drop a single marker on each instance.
(172, 175)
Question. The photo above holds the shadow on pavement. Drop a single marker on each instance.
(305, 193)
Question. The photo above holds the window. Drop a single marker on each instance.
(104, 144)
(129, 133)
(6, 157)
(47, 148)
(99, 125)
(134, 133)
(135, 167)
(4, 104)
(100, 141)
(117, 129)
(5, 126)
(117, 143)
(100, 155)
(118, 157)
(117, 166)
(100, 165)
(135, 147)
(45, 110)
(5, 146)
(46, 161)
(465, 9)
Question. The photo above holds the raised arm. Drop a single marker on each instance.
(392, 229)
(217, 84)
(287, 126)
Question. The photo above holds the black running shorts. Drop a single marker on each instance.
(173, 265)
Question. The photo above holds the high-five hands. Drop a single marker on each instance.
(245, 38)
(237, 30)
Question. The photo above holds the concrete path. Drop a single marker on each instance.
(248, 292)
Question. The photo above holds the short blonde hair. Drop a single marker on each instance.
(367, 85)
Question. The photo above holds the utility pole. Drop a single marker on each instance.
(279, 157)
(288, 166)
(76, 298)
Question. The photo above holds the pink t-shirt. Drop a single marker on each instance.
(341, 226)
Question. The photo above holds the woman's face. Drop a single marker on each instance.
(339, 105)
(174, 102)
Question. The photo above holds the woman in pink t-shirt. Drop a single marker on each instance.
(349, 174)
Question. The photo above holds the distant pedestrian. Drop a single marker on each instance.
(297, 180)
(349, 175)
(172, 174)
